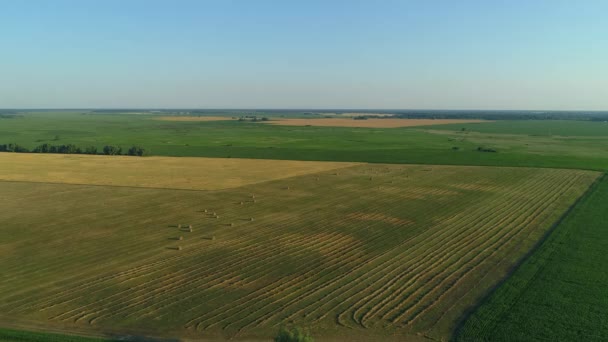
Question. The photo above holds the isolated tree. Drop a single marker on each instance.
(293, 335)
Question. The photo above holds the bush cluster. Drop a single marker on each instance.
(293, 335)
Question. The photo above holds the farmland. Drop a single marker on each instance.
(152, 172)
(344, 248)
(559, 293)
(368, 123)
(358, 250)
(585, 147)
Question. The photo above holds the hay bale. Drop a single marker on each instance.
(179, 226)
(231, 224)
(254, 201)
(205, 210)
(213, 238)
(217, 216)
(179, 248)
(180, 238)
(252, 196)
(190, 230)
(241, 203)
(190, 226)
(251, 219)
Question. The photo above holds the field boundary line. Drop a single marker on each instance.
(535, 247)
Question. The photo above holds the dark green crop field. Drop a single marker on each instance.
(559, 293)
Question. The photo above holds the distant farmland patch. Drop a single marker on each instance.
(369, 123)
(366, 251)
(152, 172)
(193, 118)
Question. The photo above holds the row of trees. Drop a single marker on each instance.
(73, 149)
(12, 148)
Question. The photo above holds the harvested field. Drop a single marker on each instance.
(152, 172)
(369, 123)
(194, 118)
(338, 255)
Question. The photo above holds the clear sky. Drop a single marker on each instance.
(431, 54)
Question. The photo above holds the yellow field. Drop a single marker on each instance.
(153, 172)
(369, 252)
(369, 123)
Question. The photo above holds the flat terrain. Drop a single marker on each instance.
(194, 118)
(559, 293)
(519, 143)
(366, 251)
(152, 172)
(559, 128)
(369, 123)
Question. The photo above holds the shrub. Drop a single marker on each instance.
(112, 150)
(44, 148)
(293, 335)
(136, 151)
(90, 150)
(13, 148)
(485, 149)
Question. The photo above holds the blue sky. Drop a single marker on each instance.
(304, 54)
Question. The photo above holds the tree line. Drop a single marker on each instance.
(73, 149)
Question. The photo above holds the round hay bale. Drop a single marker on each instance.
(179, 248)
(251, 219)
(179, 226)
(213, 238)
(180, 238)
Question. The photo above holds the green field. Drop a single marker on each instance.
(559, 293)
(564, 128)
(366, 251)
(586, 147)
